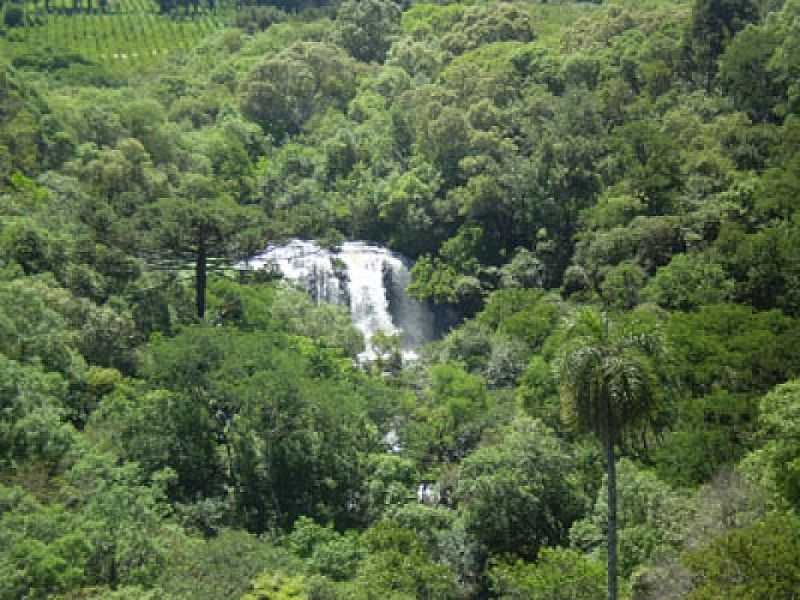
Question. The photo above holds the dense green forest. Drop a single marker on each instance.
(604, 195)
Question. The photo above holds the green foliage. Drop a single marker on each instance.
(41, 554)
(524, 270)
(763, 264)
(451, 278)
(389, 484)
(754, 563)
(710, 433)
(14, 16)
(732, 347)
(638, 155)
(20, 133)
(612, 373)
(365, 28)
(424, 19)
(277, 586)
(399, 565)
(275, 418)
(527, 315)
(652, 519)
(452, 414)
(62, 331)
(327, 552)
(41, 331)
(688, 282)
(714, 23)
(538, 391)
(776, 461)
(328, 325)
(127, 592)
(31, 247)
(200, 223)
(613, 380)
(220, 567)
(32, 405)
(746, 73)
(479, 25)
(259, 18)
(622, 285)
(132, 36)
(282, 92)
(110, 536)
(121, 518)
(439, 282)
(509, 518)
(159, 430)
(558, 574)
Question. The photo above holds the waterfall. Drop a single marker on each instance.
(368, 279)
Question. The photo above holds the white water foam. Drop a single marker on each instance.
(370, 280)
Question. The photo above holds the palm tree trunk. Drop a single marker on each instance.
(611, 470)
(200, 273)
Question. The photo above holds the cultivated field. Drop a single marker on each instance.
(125, 33)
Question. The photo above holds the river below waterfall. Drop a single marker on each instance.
(370, 280)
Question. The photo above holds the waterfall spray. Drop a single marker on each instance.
(370, 280)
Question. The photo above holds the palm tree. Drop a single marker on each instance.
(612, 378)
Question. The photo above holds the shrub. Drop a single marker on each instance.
(14, 16)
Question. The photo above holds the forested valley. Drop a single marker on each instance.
(600, 199)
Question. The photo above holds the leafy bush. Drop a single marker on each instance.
(14, 16)
(558, 574)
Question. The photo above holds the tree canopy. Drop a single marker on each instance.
(595, 203)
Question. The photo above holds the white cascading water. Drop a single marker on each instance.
(370, 280)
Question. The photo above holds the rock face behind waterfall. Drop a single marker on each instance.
(370, 280)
